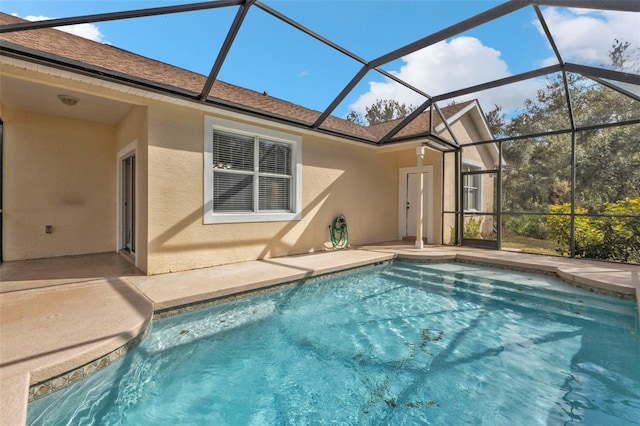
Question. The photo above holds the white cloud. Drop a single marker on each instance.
(585, 36)
(448, 66)
(90, 31)
(303, 73)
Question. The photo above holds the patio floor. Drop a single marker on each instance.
(59, 314)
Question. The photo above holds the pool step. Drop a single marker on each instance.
(543, 292)
(545, 286)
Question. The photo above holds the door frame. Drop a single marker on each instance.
(124, 153)
(402, 198)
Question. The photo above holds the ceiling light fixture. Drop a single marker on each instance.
(68, 100)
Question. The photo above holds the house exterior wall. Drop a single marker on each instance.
(57, 172)
(64, 172)
(336, 178)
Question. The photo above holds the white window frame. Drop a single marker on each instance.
(211, 217)
(476, 167)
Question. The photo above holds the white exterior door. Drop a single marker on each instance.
(408, 202)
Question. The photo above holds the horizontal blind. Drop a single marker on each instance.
(231, 151)
(232, 192)
(275, 158)
(274, 193)
(234, 173)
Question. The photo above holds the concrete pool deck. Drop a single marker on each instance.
(58, 315)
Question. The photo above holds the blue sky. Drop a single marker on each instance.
(271, 56)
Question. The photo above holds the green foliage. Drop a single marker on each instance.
(452, 236)
(496, 120)
(527, 225)
(622, 234)
(536, 173)
(588, 237)
(537, 170)
(472, 228)
(608, 166)
(607, 238)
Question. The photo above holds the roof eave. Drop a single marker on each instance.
(15, 51)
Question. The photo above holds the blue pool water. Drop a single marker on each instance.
(397, 344)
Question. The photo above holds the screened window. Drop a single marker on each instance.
(471, 187)
(254, 173)
(274, 187)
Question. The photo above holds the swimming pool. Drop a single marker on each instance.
(402, 343)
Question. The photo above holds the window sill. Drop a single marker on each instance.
(250, 217)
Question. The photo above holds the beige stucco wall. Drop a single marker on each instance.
(70, 181)
(337, 178)
(57, 172)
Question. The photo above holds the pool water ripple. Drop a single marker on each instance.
(403, 343)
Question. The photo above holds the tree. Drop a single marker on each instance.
(617, 53)
(355, 117)
(496, 120)
(537, 171)
(381, 111)
(623, 57)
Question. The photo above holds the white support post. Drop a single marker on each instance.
(419, 198)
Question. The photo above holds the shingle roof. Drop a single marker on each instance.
(418, 125)
(112, 59)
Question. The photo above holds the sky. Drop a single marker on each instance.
(270, 56)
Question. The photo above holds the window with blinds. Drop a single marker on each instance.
(251, 173)
(238, 184)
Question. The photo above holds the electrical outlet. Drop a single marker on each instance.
(48, 229)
